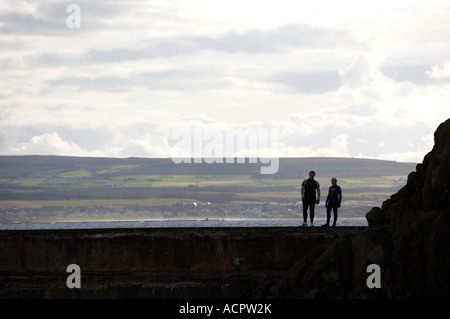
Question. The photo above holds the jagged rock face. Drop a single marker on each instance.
(427, 189)
(419, 223)
(418, 218)
(408, 237)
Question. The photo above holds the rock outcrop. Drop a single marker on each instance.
(408, 237)
(418, 219)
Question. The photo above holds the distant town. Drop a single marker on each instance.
(194, 210)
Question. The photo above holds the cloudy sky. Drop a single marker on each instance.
(366, 79)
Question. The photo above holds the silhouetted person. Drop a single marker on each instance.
(333, 201)
(310, 187)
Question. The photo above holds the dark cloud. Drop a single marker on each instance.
(308, 82)
(49, 19)
(253, 41)
(416, 74)
(19, 23)
(287, 36)
(304, 82)
(54, 59)
(160, 49)
(99, 56)
(169, 80)
(359, 110)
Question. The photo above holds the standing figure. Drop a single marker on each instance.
(333, 201)
(310, 187)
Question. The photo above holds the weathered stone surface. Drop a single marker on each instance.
(419, 224)
(375, 217)
(157, 263)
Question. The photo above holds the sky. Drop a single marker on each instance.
(361, 79)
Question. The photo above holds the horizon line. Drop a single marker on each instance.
(193, 158)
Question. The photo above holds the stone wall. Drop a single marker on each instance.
(157, 263)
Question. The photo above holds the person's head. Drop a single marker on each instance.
(312, 174)
(334, 181)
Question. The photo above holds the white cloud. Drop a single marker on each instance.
(396, 103)
(136, 148)
(49, 143)
(408, 157)
(338, 147)
(440, 71)
(362, 71)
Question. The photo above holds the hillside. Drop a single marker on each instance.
(35, 166)
(59, 181)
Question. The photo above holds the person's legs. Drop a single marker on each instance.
(335, 209)
(328, 216)
(305, 211)
(312, 206)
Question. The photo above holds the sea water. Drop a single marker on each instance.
(189, 223)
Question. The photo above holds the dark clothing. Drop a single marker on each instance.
(309, 189)
(334, 196)
(312, 205)
(333, 201)
(335, 209)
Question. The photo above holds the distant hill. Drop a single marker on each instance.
(13, 166)
(77, 181)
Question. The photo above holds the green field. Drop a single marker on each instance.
(58, 181)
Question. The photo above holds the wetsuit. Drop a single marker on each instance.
(333, 202)
(309, 189)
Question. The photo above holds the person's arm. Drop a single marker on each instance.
(328, 198)
(303, 190)
(339, 197)
(318, 192)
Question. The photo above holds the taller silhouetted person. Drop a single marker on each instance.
(310, 197)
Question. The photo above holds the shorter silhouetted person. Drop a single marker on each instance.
(333, 201)
(310, 187)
